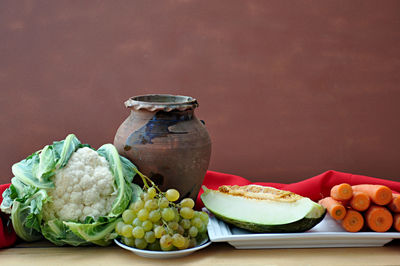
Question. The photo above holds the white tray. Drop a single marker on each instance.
(328, 233)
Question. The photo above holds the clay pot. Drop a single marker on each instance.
(165, 140)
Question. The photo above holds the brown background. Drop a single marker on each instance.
(288, 89)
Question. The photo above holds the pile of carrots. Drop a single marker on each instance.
(364, 207)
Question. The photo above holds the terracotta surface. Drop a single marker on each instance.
(164, 138)
(288, 89)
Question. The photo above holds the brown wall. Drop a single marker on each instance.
(288, 89)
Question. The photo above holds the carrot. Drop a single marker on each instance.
(378, 218)
(379, 194)
(396, 222)
(341, 192)
(394, 205)
(353, 221)
(334, 207)
(360, 201)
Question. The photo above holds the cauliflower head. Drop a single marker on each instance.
(84, 187)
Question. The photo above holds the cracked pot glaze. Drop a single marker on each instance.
(165, 140)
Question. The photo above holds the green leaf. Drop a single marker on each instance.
(19, 216)
(8, 197)
(26, 171)
(97, 233)
(47, 163)
(119, 168)
(64, 149)
(60, 234)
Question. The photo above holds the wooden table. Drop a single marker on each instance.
(44, 253)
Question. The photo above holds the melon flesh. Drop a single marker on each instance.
(264, 215)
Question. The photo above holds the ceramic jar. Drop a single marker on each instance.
(165, 140)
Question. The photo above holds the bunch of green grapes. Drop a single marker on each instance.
(157, 221)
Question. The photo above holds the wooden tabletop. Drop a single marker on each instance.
(44, 253)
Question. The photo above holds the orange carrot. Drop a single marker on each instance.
(378, 218)
(334, 207)
(341, 192)
(353, 221)
(360, 201)
(379, 194)
(396, 222)
(394, 205)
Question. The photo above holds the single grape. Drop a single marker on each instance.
(177, 217)
(187, 213)
(126, 230)
(168, 214)
(196, 221)
(147, 225)
(151, 192)
(178, 240)
(128, 216)
(132, 206)
(140, 243)
(137, 222)
(173, 225)
(163, 202)
(185, 223)
(203, 228)
(149, 237)
(155, 246)
(138, 232)
(138, 205)
(204, 217)
(155, 216)
(193, 231)
(166, 242)
(180, 230)
(159, 231)
(151, 204)
(186, 244)
(118, 227)
(192, 242)
(187, 202)
(172, 194)
(143, 214)
(129, 241)
(159, 223)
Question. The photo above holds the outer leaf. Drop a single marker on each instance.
(8, 197)
(122, 177)
(47, 163)
(60, 234)
(136, 191)
(26, 171)
(64, 149)
(20, 212)
(97, 233)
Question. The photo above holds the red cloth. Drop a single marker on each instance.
(315, 188)
(7, 234)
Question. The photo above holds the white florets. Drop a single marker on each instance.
(84, 187)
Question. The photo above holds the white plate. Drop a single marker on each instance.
(328, 233)
(163, 254)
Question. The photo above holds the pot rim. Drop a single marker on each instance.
(161, 102)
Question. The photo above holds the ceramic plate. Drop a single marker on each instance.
(328, 233)
(163, 254)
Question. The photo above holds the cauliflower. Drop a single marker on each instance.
(69, 193)
(84, 187)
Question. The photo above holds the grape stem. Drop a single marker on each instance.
(145, 179)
